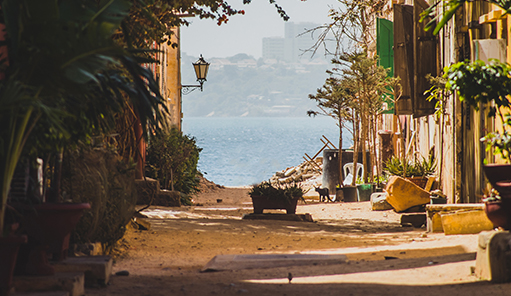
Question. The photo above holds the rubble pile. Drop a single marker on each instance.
(305, 172)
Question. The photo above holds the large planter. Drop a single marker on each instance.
(261, 203)
(48, 227)
(419, 181)
(9, 247)
(498, 173)
(499, 213)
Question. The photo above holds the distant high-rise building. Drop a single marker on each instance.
(291, 47)
(273, 48)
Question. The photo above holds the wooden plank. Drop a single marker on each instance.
(329, 141)
(311, 161)
(425, 61)
(320, 150)
(403, 57)
(326, 143)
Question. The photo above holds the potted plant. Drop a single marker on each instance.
(267, 195)
(416, 171)
(489, 84)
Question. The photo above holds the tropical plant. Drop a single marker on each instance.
(419, 167)
(277, 191)
(63, 66)
(438, 21)
(172, 159)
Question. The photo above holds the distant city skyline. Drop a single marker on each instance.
(244, 33)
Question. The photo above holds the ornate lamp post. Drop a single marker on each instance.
(201, 71)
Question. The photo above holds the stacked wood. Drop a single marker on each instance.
(305, 171)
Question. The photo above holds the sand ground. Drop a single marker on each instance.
(167, 258)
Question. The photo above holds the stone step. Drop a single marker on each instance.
(73, 283)
(97, 269)
(493, 261)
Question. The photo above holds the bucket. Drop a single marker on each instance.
(364, 192)
(350, 193)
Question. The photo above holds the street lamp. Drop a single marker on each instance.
(201, 71)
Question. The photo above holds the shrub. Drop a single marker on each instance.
(172, 159)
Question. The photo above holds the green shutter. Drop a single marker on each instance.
(384, 44)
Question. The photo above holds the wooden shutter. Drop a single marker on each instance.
(385, 51)
(403, 56)
(425, 61)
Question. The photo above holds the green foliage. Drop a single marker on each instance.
(479, 83)
(57, 51)
(500, 143)
(277, 191)
(437, 93)
(172, 159)
(418, 168)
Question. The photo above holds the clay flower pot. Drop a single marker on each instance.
(496, 173)
(48, 227)
(499, 212)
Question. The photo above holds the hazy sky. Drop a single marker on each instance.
(244, 33)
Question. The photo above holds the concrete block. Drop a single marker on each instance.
(403, 194)
(416, 220)
(97, 269)
(493, 261)
(465, 222)
(379, 202)
(434, 213)
(73, 283)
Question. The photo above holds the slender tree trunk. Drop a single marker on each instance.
(374, 160)
(355, 146)
(340, 150)
(363, 139)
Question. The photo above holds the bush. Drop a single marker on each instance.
(172, 160)
(101, 178)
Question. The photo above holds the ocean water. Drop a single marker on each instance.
(243, 151)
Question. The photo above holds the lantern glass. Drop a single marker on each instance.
(201, 69)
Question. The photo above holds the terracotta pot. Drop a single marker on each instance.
(499, 212)
(48, 227)
(263, 202)
(496, 173)
(419, 181)
(9, 247)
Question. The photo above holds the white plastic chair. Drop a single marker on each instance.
(348, 172)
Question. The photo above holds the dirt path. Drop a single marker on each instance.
(166, 260)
